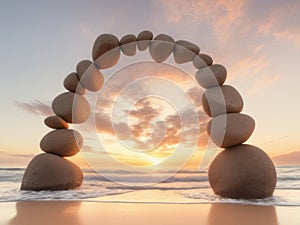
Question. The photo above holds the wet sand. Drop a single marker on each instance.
(92, 213)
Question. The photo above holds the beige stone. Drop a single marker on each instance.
(211, 76)
(106, 51)
(56, 122)
(143, 40)
(71, 83)
(244, 171)
(185, 51)
(202, 60)
(62, 142)
(71, 107)
(51, 172)
(161, 47)
(128, 44)
(222, 99)
(90, 77)
(228, 130)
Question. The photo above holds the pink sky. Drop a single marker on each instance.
(258, 42)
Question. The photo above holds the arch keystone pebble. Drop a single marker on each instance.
(143, 40)
(239, 171)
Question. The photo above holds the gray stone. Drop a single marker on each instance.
(71, 83)
(202, 60)
(210, 76)
(143, 40)
(161, 47)
(222, 99)
(56, 122)
(51, 172)
(106, 51)
(62, 142)
(71, 107)
(228, 130)
(185, 51)
(90, 77)
(244, 171)
(128, 44)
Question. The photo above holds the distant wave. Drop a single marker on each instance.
(12, 169)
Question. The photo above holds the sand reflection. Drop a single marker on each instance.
(46, 213)
(231, 214)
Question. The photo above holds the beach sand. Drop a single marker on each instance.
(128, 209)
(90, 213)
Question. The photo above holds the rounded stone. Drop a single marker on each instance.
(210, 76)
(71, 83)
(185, 51)
(62, 142)
(244, 171)
(71, 107)
(228, 130)
(202, 60)
(128, 44)
(90, 77)
(143, 40)
(161, 47)
(106, 51)
(222, 99)
(56, 122)
(51, 172)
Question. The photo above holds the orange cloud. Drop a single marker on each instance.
(222, 15)
(281, 24)
(143, 132)
(253, 70)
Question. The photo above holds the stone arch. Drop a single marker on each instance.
(239, 171)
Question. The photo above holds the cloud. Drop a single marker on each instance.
(253, 70)
(282, 23)
(292, 158)
(36, 107)
(149, 126)
(221, 15)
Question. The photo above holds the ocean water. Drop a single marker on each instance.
(192, 186)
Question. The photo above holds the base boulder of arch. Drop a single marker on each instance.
(51, 172)
(243, 171)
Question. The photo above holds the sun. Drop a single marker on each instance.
(155, 161)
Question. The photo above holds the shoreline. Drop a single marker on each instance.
(160, 197)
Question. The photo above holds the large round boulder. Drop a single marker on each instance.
(244, 171)
(51, 172)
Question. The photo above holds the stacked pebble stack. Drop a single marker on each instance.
(239, 171)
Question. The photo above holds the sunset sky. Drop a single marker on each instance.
(257, 41)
